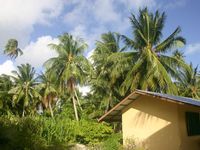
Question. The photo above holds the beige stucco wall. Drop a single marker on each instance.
(152, 122)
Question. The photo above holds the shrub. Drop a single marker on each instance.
(20, 134)
(33, 133)
(91, 132)
(113, 142)
(71, 131)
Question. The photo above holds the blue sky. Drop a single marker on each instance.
(36, 23)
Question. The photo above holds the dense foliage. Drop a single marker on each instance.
(35, 133)
(47, 110)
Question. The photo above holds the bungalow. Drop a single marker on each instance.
(158, 121)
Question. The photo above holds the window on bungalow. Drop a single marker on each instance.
(193, 123)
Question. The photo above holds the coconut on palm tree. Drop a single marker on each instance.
(70, 66)
(153, 65)
(11, 49)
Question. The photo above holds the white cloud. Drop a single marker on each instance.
(134, 5)
(7, 67)
(36, 53)
(79, 31)
(90, 37)
(86, 12)
(192, 49)
(89, 19)
(18, 17)
(104, 11)
(78, 15)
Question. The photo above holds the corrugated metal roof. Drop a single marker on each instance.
(185, 100)
(114, 114)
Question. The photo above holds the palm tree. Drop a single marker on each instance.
(11, 49)
(108, 65)
(24, 91)
(5, 98)
(153, 66)
(71, 67)
(189, 82)
(48, 91)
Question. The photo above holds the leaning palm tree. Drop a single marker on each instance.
(71, 67)
(23, 91)
(11, 49)
(189, 82)
(153, 66)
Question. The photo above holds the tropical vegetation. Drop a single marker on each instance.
(47, 110)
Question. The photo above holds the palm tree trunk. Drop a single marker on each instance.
(23, 112)
(72, 90)
(75, 108)
(108, 105)
(77, 99)
(51, 109)
(109, 102)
